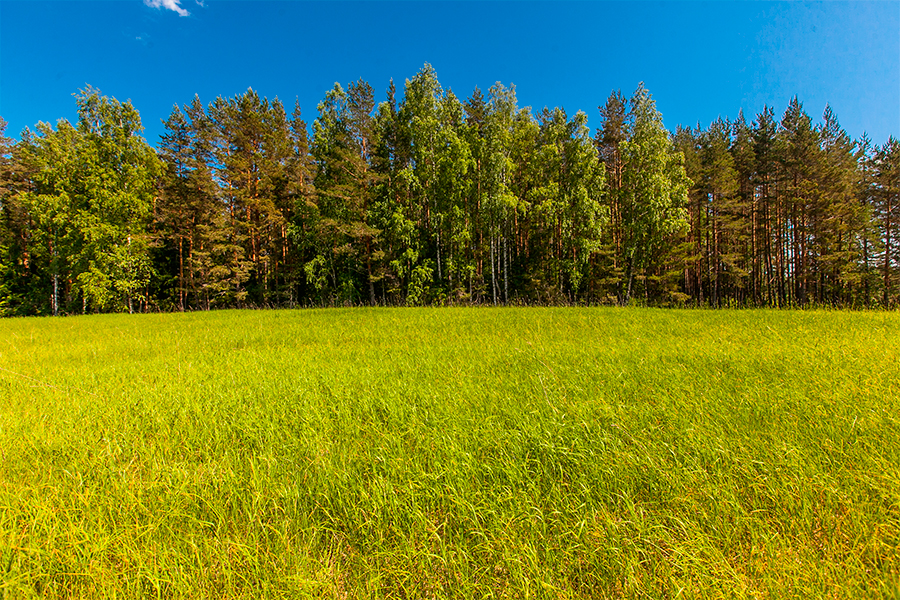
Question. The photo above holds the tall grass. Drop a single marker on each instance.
(416, 453)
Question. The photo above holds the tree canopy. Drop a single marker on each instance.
(435, 198)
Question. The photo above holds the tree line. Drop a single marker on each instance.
(433, 199)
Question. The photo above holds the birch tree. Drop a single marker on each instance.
(654, 188)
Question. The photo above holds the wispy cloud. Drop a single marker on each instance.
(168, 4)
(144, 39)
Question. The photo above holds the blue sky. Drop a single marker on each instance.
(700, 60)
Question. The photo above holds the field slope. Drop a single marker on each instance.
(417, 453)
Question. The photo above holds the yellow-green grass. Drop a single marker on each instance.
(470, 453)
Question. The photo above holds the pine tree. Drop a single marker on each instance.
(724, 234)
(886, 172)
(476, 138)
(843, 218)
(867, 236)
(751, 211)
(766, 190)
(348, 245)
(11, 252)
(614, 130)
(688, 141)
(253, 153)
(798, 148)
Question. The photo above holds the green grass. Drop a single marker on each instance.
(483, 453)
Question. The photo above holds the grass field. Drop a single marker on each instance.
(470, 453)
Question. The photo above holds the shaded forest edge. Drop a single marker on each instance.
(431, 199)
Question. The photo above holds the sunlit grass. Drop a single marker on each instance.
(413, 453)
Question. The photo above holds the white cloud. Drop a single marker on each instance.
(169, 4)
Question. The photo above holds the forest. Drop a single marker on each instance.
(433, 199)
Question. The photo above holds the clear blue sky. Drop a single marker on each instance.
(700, 60)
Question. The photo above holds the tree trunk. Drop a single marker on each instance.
(887, 252)
(181, 273)
(505, 272)
(493, 273)
(369, 268)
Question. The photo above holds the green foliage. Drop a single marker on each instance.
(567, 201)
(419, 278)
(8, 277)
(345, 214)
(654, 187)
(89, 205)
(429, 199)
(886, 175)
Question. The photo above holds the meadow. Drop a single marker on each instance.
(451, 453)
